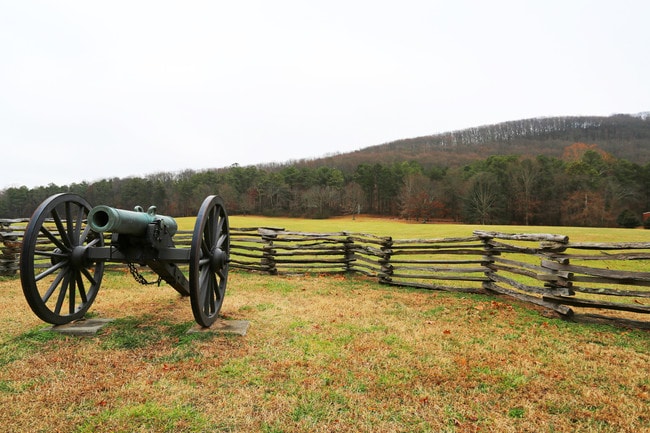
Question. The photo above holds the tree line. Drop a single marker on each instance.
(585, 186)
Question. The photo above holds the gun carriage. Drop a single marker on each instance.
(64, 253)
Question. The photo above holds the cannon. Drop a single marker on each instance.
(64, 252)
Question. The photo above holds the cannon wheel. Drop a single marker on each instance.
(209, 256)
(58, 281)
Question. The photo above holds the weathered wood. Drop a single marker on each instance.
(438, 277)
(496, 277)
(436, 241)
(610, 281)
(362, 258)
(587, 303)
(340, 248)
(360, 265)
(476, 251)
(253, 256)
(523, 236)
(517, 263)
(309, 253)
(630, 276)
(247, 240)
(438, 269)
(612, 292)
(439, 262)
(10, 235)
(602, 256)
(418, 248)
(532, 299)
(368, 250)
(609, 245)
(512, 269)
(503, 247)
(311, 261)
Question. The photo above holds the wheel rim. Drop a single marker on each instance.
(58, 280)
(209, 255)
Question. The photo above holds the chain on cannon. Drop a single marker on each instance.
(137, 276)
(64, 252)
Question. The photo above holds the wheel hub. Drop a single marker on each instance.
(56, 256)
(78, 257)
(218, 260)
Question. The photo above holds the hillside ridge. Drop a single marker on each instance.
(625, 136)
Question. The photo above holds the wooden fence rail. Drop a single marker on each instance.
(545, 269)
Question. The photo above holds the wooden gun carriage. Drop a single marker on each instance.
(64, 252)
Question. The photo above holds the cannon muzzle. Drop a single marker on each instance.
(108, 219)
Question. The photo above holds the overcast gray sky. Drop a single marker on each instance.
(92, 90)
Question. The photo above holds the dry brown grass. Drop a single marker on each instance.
(322, 354)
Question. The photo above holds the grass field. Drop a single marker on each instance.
(324, 354)
(399, 229)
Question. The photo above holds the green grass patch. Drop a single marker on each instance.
(144, 331)
(148, 416)
(27, 344)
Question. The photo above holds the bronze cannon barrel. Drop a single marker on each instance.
(104, 218)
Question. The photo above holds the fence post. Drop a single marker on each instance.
(558, 282)
(348, 248)
(268, 253)
(386, 267)
(488, 261)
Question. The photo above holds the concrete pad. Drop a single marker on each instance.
(237, 327)
(80, 328)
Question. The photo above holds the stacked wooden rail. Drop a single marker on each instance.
(448, 264)
(11, 235)
(544, 269)
(549, 270)
(277, 251)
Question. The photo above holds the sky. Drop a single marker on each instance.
(91, 90)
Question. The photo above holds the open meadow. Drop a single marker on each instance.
(325, 354)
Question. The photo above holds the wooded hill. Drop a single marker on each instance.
(585, 171)
(623, 136)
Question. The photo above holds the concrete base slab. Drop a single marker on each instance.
(81, 328)
(237, 327)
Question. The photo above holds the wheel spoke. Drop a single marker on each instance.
(62, 293)
(203, 274)
(71, 293)
(70, 231)
(81, 288)
(91, 278)
(206, 288)
(84, 237)
(205, 248)
(219, 231)
(53, 286)
(77, 227)
(48, 234)
(51, 254)
(222, 239)
(209, 300)
(51, 270)
(214, 226)
(63, 235)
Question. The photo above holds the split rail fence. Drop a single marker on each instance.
(544, 269)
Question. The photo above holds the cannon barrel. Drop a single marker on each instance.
(104, 218)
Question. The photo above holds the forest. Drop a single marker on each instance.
(577, 171)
